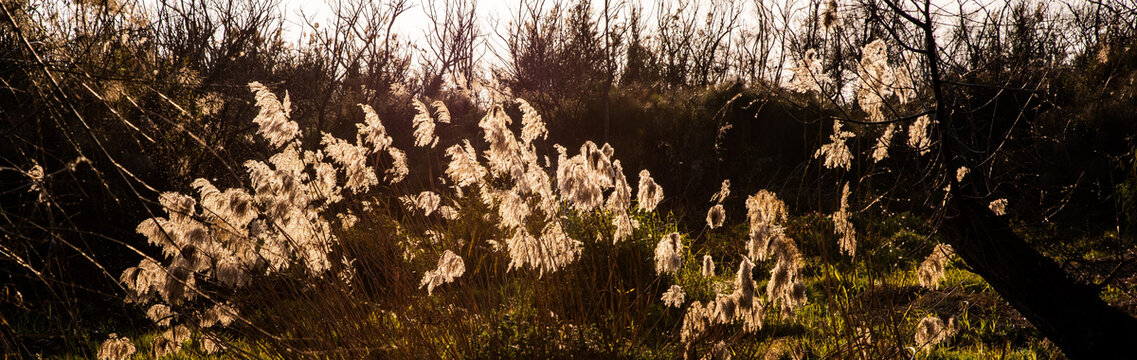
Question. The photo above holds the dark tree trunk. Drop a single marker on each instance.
(1071, 315)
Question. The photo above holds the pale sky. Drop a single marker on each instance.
(495, 15)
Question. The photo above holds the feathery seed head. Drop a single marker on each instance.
(450, 267)
(931, 331)
(810, 74)
(424, 126)
(724, 191)
(398, 170)
(999, 207)
(785, 288)
(160, 314)
(931, 270)
(716, 216)
(650, 193)
(667, 258)
(116, 348)
(272, 119)
(744, 284)
(961, 173)
(720, 352)
(842, 225)
(464, 168)
(918, 134)
(836, 153)
(512, 209)
(621, 197)
(673, 297)
(372, 131)
(696, 320)
(171, 341)
(441, 111)
(624, 226)
(428, 201)
(504, 149)
(708, 266)
(725, 308)
(880, 149)
(764, 211)
(532, 126)
(353, 160)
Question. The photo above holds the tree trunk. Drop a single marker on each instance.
(1071, 315)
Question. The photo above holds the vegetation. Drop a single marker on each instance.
(701, 179)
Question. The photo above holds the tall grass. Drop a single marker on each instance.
(434, 244)
(504, 253)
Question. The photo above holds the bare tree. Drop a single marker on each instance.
(639, 64)
(676, 30)
(530, 45)
(754, 55)
(451, 42)
(360, 41)
(711, 45)
(1070, 314)
(613, 36)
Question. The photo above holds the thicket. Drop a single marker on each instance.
(323, 214)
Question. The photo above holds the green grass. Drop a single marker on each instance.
(493, 313)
